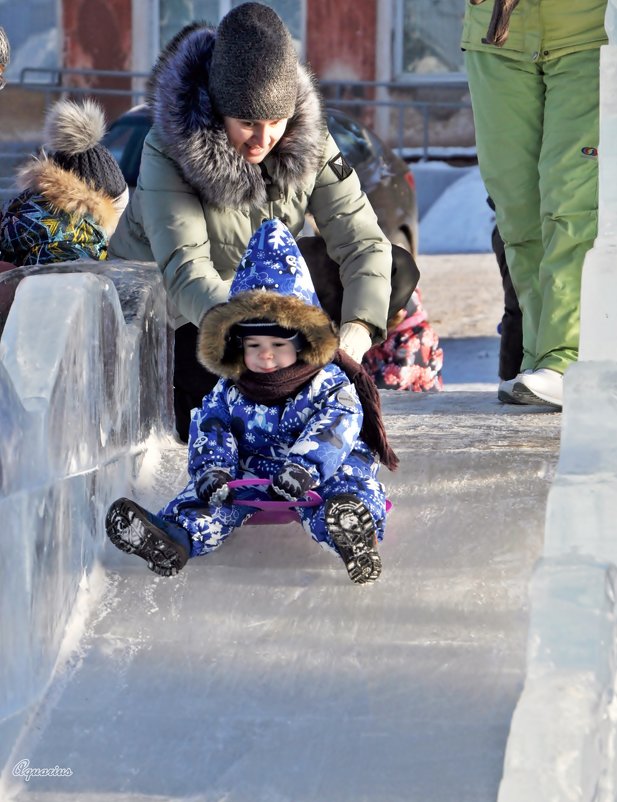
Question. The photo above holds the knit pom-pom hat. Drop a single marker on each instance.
(5, 48)
(72, 138)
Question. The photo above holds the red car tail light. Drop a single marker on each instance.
(410, 180)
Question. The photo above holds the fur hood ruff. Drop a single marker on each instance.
(213, 348)
(66, 192)
(194, 136)
(272, 283)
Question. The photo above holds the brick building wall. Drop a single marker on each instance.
(341, 37)
(98, 36)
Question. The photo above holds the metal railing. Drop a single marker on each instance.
(52, 81)
(361, 94)
(355, 95)
(450, 80)
(401, 107)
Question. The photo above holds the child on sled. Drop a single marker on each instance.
(289, 407)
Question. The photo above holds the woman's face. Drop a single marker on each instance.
(254, 139)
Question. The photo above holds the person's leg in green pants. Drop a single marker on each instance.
(568, 170)
(508, 108)
(541, 118)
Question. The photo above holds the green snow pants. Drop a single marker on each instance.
(537, 139)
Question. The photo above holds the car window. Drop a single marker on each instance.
(125, 140)
(377, 146)
(351, 138)
(117, 139)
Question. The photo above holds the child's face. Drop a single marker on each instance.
(263, 354)
(254, 139)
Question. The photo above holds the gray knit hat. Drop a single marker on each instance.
(254, 70)
(5, 49)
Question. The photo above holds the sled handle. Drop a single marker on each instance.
(310, 500)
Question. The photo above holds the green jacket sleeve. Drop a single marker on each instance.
(355, 241)
(175, 224)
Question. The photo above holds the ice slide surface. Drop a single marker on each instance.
(261, 674)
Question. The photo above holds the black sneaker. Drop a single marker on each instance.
(352, 529)
(164, 546)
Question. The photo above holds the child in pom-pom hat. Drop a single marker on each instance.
(72, 195)
(290, 407)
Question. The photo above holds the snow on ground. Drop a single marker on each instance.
(460, 220)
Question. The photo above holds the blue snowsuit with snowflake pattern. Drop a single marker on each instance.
(315, 423)
(319, 429)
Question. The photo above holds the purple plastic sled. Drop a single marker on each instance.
(277, 512)
(273, 512)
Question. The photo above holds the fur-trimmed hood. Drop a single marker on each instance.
(66, 192)
(272, 283)
(194, 136)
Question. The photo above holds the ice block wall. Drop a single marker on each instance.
(599, 285)
(84, 380)
(562, 738)
(582, 505)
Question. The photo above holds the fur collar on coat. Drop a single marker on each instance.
(194, 136)
(66, 192)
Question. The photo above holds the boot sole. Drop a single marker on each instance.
(351, 527)
(130, 531)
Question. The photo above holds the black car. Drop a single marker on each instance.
(386, 179)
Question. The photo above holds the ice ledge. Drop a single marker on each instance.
(562, 743)
(83, 372)
(561, 739)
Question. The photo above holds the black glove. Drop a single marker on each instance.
(212, 487)
(291, 483)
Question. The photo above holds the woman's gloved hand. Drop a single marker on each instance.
(355, 340)
(291, 483)
(212, 486)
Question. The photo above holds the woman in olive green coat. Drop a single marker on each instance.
(533, 71)
(239, 135)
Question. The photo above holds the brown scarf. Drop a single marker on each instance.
(273, 388)
(500, 21)
(373, 431)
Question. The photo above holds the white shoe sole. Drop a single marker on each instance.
(507, 397)
(525, 395)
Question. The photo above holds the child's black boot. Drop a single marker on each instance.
(352, 529)
(166, 547)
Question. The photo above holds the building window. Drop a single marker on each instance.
(175, 14)
(33, 30)
(290, 11)
(427, 37)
